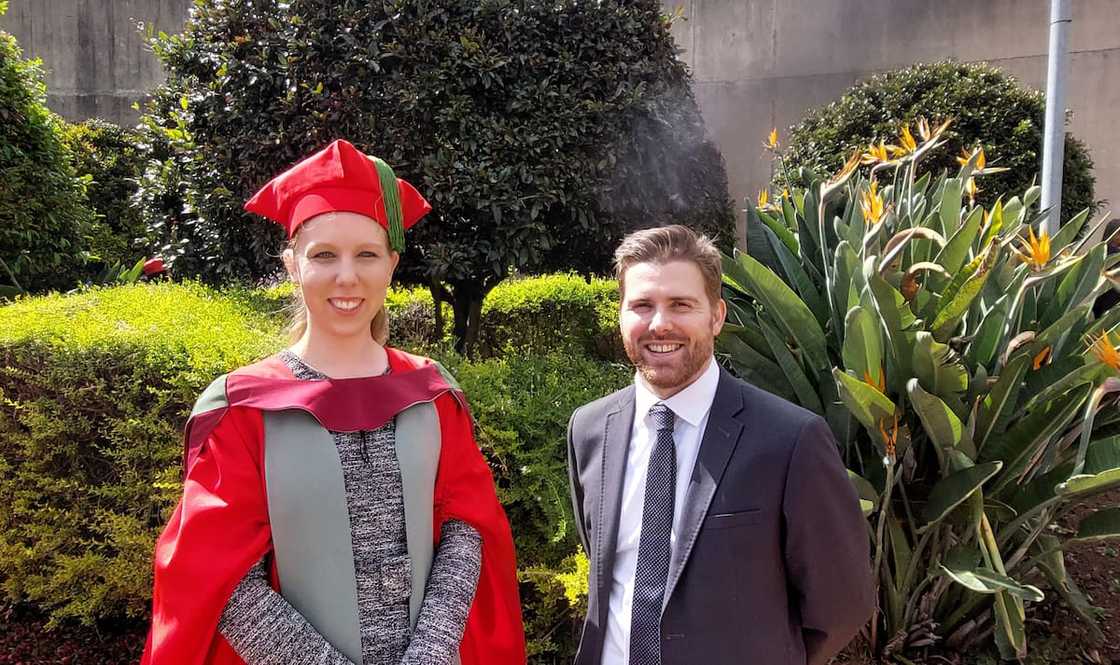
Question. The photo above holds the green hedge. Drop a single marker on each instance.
(554, 312)
(94, 389)
(563, 313)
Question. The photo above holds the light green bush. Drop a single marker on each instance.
(94, 389)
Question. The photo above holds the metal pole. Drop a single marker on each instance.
(1053, 142)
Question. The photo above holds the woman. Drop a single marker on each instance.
(336, 508)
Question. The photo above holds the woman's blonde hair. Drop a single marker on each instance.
(297, 313)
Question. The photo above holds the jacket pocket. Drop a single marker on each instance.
(729, 520)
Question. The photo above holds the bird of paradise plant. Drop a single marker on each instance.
(954, 353)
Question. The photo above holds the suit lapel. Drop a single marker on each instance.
(721, 436)
(616, 443)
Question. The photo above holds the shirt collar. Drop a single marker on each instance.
(690, 404)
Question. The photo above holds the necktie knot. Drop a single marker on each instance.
(663, 416)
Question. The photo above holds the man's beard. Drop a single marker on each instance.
(694, 358)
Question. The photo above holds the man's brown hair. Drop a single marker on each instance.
(670, 243)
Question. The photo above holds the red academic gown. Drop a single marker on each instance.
(220, 527)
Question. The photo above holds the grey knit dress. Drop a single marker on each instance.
(264, 629)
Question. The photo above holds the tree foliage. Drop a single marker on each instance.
(113, 158)
(541, 131)
(989, 108)
(43, 215)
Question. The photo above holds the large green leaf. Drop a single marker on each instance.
(954, 489)
(955, 252)
(754, 367)
(1103, 455)
(1053, 566)
(864, 489)
(941, 425)
(867, 404)
(1082, 375)
(1100, 393)
(1068, 232)
(960, 293)
(862, 351)
(991, 333)
(1078, 284)
(1013, 213)
(795, 272)
(779, 302)
(898, 320)
(1010, 633)
(848, 279)
(950, 210)
(995, 224)
(1028, 437)
(750, 332)
(1101, 525)
(1086, 484)
(936, 369)
(795, 375)
(1106, 323)
(788, 239)
(987, 581)
(1001, 397)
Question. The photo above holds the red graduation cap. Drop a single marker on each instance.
(341, 178)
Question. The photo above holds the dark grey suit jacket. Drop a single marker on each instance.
(771, 566)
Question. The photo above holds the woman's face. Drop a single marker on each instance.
(342, 263)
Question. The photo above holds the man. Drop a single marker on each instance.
(719, 521)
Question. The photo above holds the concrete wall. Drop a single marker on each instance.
(94, 51)
(759, 64)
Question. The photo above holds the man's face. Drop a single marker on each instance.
(668, 323)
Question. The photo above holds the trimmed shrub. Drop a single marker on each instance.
(989, 108)
(94, 388)
(43, 215)
(113, 159)
(553, 313)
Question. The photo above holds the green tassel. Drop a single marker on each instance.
(391, 199)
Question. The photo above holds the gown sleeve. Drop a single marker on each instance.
(218, 531)
(447, 598)
(494, 634)
(264, 629)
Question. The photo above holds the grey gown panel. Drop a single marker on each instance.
(264, 629)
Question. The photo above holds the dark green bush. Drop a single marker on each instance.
(989, 108)
(94, 388)
(44, 219)
(541, 132)
(113, 158)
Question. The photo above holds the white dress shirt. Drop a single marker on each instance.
(691, 407)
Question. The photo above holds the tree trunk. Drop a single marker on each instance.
(440, 295)
(466, 301)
